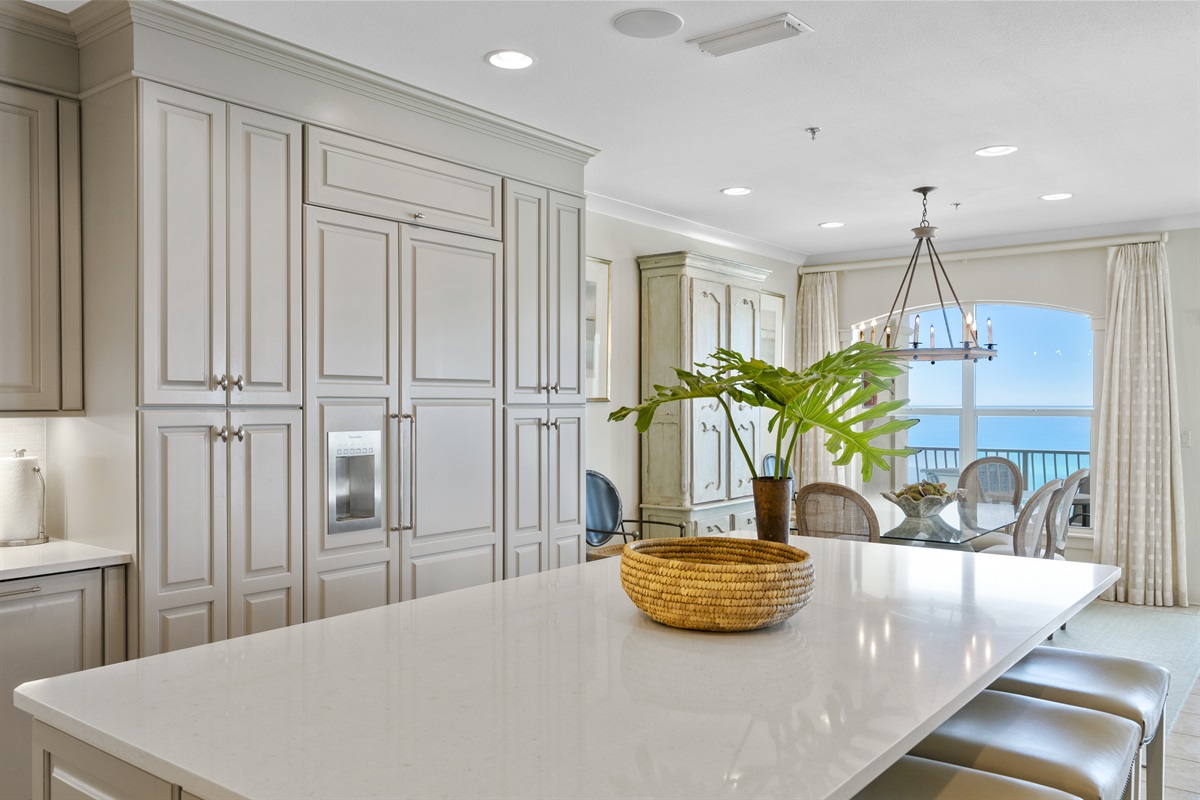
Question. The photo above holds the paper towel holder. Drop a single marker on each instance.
(41, 538)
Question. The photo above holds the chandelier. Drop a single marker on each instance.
(969, 344)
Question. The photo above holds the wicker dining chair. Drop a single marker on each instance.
(831, 511)
(991, 480)
(1030, 532)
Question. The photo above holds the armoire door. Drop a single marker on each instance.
(744, 320)
(527, 490)
(266, 520)
(709, 435)
(184, 529)
(29, 249)
(568, 509)
(452, 290)
(265, 308)
(565, 281)
(183, 227)
(526, 294)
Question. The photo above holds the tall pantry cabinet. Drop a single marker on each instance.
(544, 441)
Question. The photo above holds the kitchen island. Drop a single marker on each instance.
(556, 686)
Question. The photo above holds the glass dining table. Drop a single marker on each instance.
(954, 528)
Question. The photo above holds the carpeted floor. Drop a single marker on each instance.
(1165, 636)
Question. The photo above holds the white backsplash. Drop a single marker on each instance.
(28, 434)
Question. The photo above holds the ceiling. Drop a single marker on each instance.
(1102, 98)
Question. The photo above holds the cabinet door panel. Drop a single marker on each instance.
(527, 479)
(567, 371)
(526, 293)
(453, 487)
(265, 344)
(744, 320)
(359, 175)
(49, 625)
(184, 535)
(567, 470)
(266, 519)
(457, 569)
(351, 271)
(29, 251)
(452, 289)
(344, 570)
(710, 435)
(183, 269)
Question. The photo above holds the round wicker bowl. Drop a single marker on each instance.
(716, 584)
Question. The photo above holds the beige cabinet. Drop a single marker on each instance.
(352, 383)
(543, 243)
(74, 770)
(568, 506)
(220, 253)
(40, 301)
(221, 525)
(693, 470)
(355, 174)
(451, 479)
(49, 625)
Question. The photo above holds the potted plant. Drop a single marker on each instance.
(831, 395)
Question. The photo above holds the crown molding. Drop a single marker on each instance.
(688, 258)
(630, 212)
(34, 20)
(98, 18)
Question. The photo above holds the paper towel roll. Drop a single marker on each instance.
(20, 499)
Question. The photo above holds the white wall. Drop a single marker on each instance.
(1074, 280)
(612, 447)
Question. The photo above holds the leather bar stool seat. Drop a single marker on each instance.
(1135, 690)
(1085, 753)
(913, 778)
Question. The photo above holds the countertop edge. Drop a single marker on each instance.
(33, 561)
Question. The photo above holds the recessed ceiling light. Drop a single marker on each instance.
(831, 224)
(735, 190)
(648, 23)
(510, 59)
(996, 150)
(1058, 196)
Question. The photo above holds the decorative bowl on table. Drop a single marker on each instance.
(924, 499)
(716, 584)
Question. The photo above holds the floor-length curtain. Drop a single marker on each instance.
(1137, 491)
(817, 335)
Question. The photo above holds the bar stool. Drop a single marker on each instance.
(1085, 753)
(1125, 687)
(913, 778)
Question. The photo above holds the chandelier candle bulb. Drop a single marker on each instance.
(975, 334)
(873, 331)
(887, 335)
(989, 324)
(931, 345)
(916, 329)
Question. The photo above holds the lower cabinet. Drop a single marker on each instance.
(545, 501)
(65, 768)
(221, 525)
(51, 625)
(713, 519)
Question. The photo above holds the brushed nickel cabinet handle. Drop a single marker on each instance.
(222, 381)
(15, 592)
(222, 433)
(240, 433)
(412, 475)
(554, 424)
(556, 387)
(240, 384)
(418, 215)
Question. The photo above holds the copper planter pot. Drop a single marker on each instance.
(772, 508)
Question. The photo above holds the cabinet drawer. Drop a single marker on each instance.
(717, 525)
(358, 175)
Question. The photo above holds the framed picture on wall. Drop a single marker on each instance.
(597, 331)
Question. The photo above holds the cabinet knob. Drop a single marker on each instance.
(222, 381)
(418, 215)
(221, 433)
(554, 424)
(240, 384)
(240, 433)
(555, 387)
(544, 424)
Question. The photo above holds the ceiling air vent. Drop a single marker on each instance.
(744, 37)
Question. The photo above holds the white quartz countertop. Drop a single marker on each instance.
(556, 686)
(56, 555)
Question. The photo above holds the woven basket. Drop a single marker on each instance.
(716, 584)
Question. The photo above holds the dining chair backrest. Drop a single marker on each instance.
(1030, 531)
(831, 511)
(604, 511)
(769, 462)
(992, 480)
(1058, 517)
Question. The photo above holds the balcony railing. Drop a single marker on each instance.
(1037, 466)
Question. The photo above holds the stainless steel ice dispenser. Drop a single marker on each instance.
(355, 475)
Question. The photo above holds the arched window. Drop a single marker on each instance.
(1032, 404)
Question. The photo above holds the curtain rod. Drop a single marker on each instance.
(994, 252)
